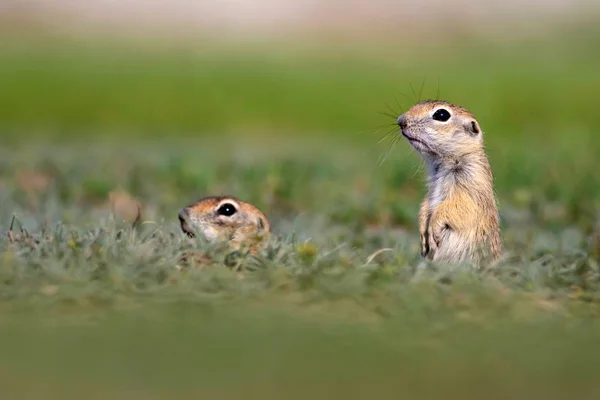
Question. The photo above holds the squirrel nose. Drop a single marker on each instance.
(402, 121)
(183, 214)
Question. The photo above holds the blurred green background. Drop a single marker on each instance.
(292, 106)
(533, 94)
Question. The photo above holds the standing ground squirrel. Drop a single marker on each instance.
(226, 218)
(458, 219)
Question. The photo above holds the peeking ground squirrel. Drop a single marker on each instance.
(226, 218)
(458, 219)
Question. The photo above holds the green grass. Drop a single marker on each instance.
(91, 307)
(193, 351)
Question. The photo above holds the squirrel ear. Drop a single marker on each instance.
(473, 128)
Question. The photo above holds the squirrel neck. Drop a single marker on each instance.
(472, 166)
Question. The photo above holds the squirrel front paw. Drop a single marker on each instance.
(436, 235)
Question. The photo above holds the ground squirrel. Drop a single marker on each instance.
(226, 218)
(458, 219)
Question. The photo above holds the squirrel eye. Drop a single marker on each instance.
(441, 115)
(227, 210)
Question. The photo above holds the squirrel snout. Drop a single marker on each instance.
(183, 214)
(402, 121)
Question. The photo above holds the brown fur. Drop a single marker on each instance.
(458, 219)
(248, 227)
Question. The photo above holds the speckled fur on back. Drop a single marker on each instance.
(458, 218)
